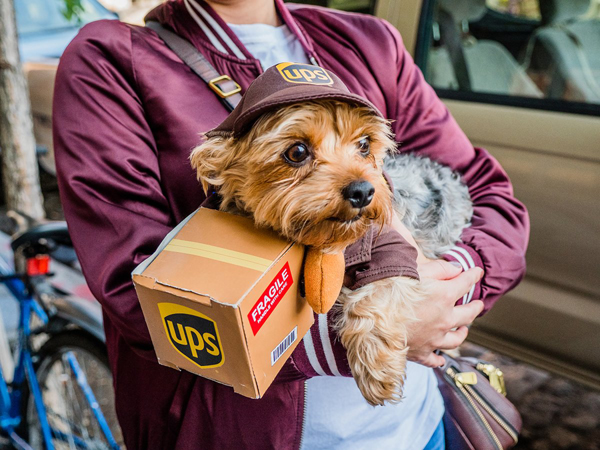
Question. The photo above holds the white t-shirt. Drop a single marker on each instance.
(336, 414)
(338, 417)
(270, 45)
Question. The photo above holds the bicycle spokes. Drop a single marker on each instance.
(74, 414)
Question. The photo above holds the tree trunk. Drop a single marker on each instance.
(17, 142)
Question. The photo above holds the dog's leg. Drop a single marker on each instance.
(372, 324)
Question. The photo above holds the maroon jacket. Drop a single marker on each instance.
(127, 113)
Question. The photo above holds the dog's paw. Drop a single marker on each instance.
(372, 324)
(378, 370)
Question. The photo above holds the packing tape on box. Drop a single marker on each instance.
(219, 254)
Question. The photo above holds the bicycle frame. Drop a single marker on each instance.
(11, 401)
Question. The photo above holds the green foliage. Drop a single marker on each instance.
(73, 10)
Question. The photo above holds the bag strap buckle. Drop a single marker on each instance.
(213, 84)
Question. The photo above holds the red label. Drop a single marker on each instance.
(267, 302)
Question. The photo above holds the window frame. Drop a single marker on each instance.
(422, 46)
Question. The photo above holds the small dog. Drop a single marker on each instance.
(312, 171)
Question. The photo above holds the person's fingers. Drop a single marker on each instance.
(457, 287)
(453, 339)
(432, 360)
(465, 314)
(439, 270)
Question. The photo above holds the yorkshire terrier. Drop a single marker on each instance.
(312, 171)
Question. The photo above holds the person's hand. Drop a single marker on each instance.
(442, 325)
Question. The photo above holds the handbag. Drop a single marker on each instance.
(478, 415)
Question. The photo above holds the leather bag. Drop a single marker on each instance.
(478, 414)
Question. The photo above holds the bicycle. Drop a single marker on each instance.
(59, 393)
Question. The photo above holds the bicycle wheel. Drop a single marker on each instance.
(70, 415)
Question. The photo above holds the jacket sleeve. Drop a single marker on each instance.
(108, 174)
(497, 238)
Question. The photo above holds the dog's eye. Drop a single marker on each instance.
(297, 154)
(364, 145)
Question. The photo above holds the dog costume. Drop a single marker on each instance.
(381, 253)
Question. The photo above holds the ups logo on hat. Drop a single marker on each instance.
(192, 334)
(303, 73)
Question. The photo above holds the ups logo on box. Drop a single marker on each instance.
(303, 73)
(192, 334)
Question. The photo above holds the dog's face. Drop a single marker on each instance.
(310, 171)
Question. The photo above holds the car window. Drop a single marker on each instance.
(35, 16)
(362, 6)
(526, 9)
(531, 53)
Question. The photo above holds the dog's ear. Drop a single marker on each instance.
(210, 159)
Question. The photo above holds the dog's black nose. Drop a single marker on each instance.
(359, 193)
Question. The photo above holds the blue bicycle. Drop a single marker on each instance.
(55, 385)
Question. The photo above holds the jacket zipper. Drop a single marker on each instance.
(473, 397)
(303, 416)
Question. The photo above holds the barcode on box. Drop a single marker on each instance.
(284, 345)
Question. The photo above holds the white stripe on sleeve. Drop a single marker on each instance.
(326, 342)
(213, 23)
(470, 261)
(466, 254)
(459, 258)
(312, 355)
(209, 34)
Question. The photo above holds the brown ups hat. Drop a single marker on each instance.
(284, 84)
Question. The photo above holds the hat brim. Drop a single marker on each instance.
(289, 96)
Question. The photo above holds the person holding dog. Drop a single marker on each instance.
(127, 113)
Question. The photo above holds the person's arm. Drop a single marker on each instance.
(108, 174)
(497, 238)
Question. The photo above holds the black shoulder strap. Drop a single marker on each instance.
(222, 85)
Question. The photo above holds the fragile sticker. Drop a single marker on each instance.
(272, 295)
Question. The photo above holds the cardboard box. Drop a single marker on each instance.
(220, 298)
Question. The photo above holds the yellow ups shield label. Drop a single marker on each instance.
(192, 334)
(303, 73)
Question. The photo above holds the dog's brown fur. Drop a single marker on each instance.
(305, 204)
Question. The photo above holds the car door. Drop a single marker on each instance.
(529, 96)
